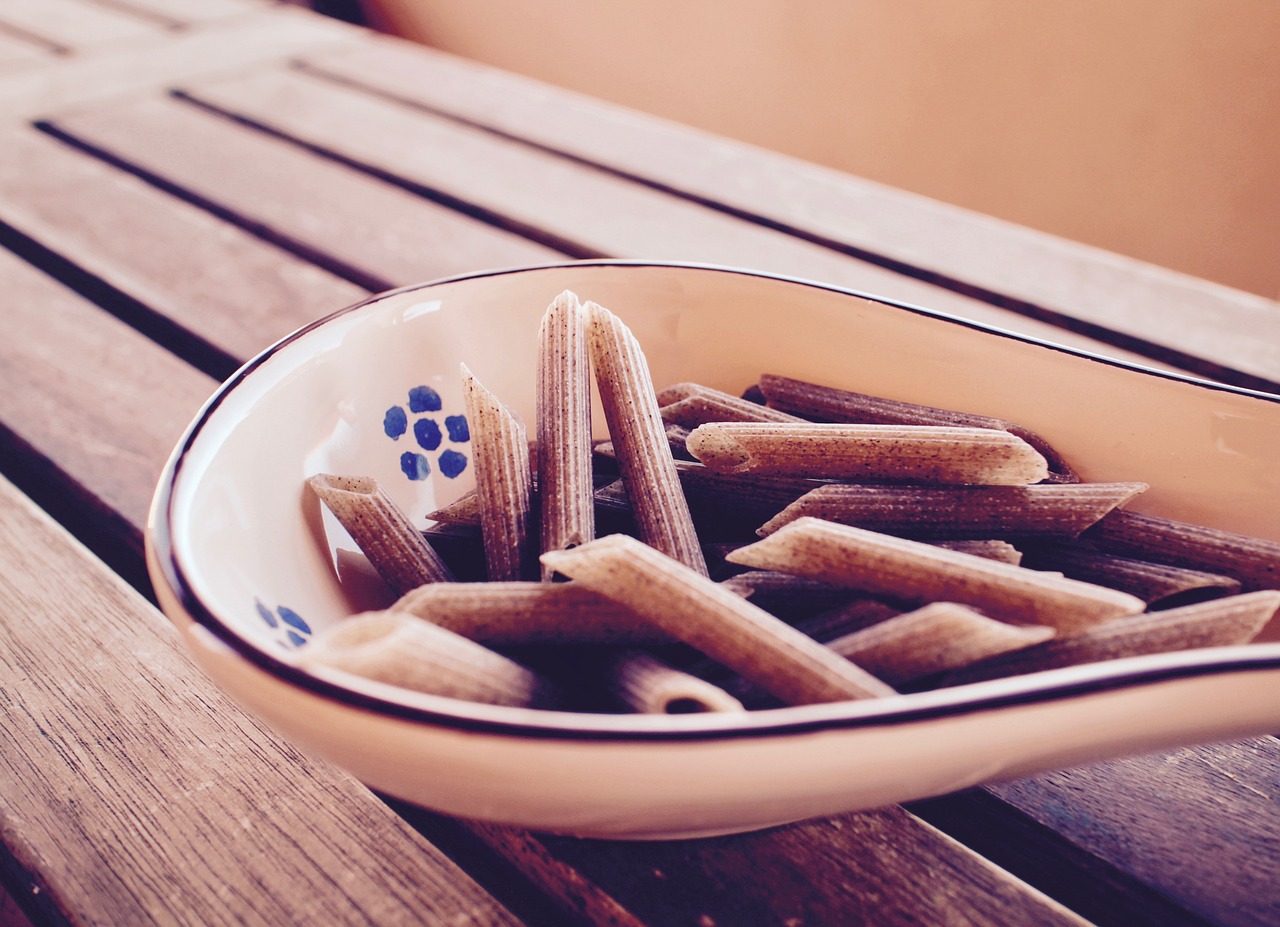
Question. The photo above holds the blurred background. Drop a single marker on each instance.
(1147, 127)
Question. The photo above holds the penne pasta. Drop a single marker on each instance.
(938, 637)
(1158, 584)
(823, 403)
(1217, 623)
(503, 483)
(384, 534)
(691, 608)
(401, 650)
(1049, 510)
(506, 613)
(1255, 562)
(564, 427)
(913, 453)
(691, 405)
(883, 565)
(645, 684)
(640, 440)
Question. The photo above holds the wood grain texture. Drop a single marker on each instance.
(194, 269)
(586, 212)
(83, 389)
(18, 50)
(967, 252)
(264, 34)
(367, 229)
(167, 804)
(76, 25)
(1215, 852)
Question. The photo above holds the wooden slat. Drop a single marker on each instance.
(1214, 852)
(377, 229)
(187, 12)
(240, 293)
(1179, 314)
(164, 803)
(19, 51)
(89, 390)
(76, 25)
(581, 210)
(221, 46)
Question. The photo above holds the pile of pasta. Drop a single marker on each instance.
(793, 545)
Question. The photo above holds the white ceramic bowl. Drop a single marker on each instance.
(244, 563)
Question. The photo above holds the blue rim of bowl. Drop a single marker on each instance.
(774, 722)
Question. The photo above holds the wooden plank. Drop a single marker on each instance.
(1214, 852)
(19, 51)
(1179, 316)
(80, 385)
(136, 793)
(76, 25)
(383, 235)
(186, 12)
(222, 46)
(238, 291)
(578, 209)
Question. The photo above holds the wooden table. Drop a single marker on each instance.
(184, 181)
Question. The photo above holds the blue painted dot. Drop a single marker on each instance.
(428, 433)
(452, 463)
(395, 422)
(267, 615)
(424, 399)
(293, 619)
(456, 425)
(415, 466)
(295, 638)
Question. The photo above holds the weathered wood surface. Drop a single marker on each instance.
(195, 221)
(220, 45)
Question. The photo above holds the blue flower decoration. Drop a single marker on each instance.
(291, 630)
(417, 415)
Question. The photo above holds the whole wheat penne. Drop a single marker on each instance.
(382, 531)
(826, 404)
(403, 650)
(464, 510)
(528, 613)
(1255, 562)
(1050, 510)
(914, 453)
(692, 608)
(1216, 623)
(940, 636)
(645, 684)
(846, 618)
(692, 404)
(789, 597)
(640, 440)
(743, 494)
(564, 427)
(1158, 584)
(503, 483)
(989, 548)
(884, 565)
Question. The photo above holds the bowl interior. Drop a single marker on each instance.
(375, 391)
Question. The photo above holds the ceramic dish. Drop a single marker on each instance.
(248, 569)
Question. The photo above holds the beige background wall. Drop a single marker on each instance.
(1149, 127)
